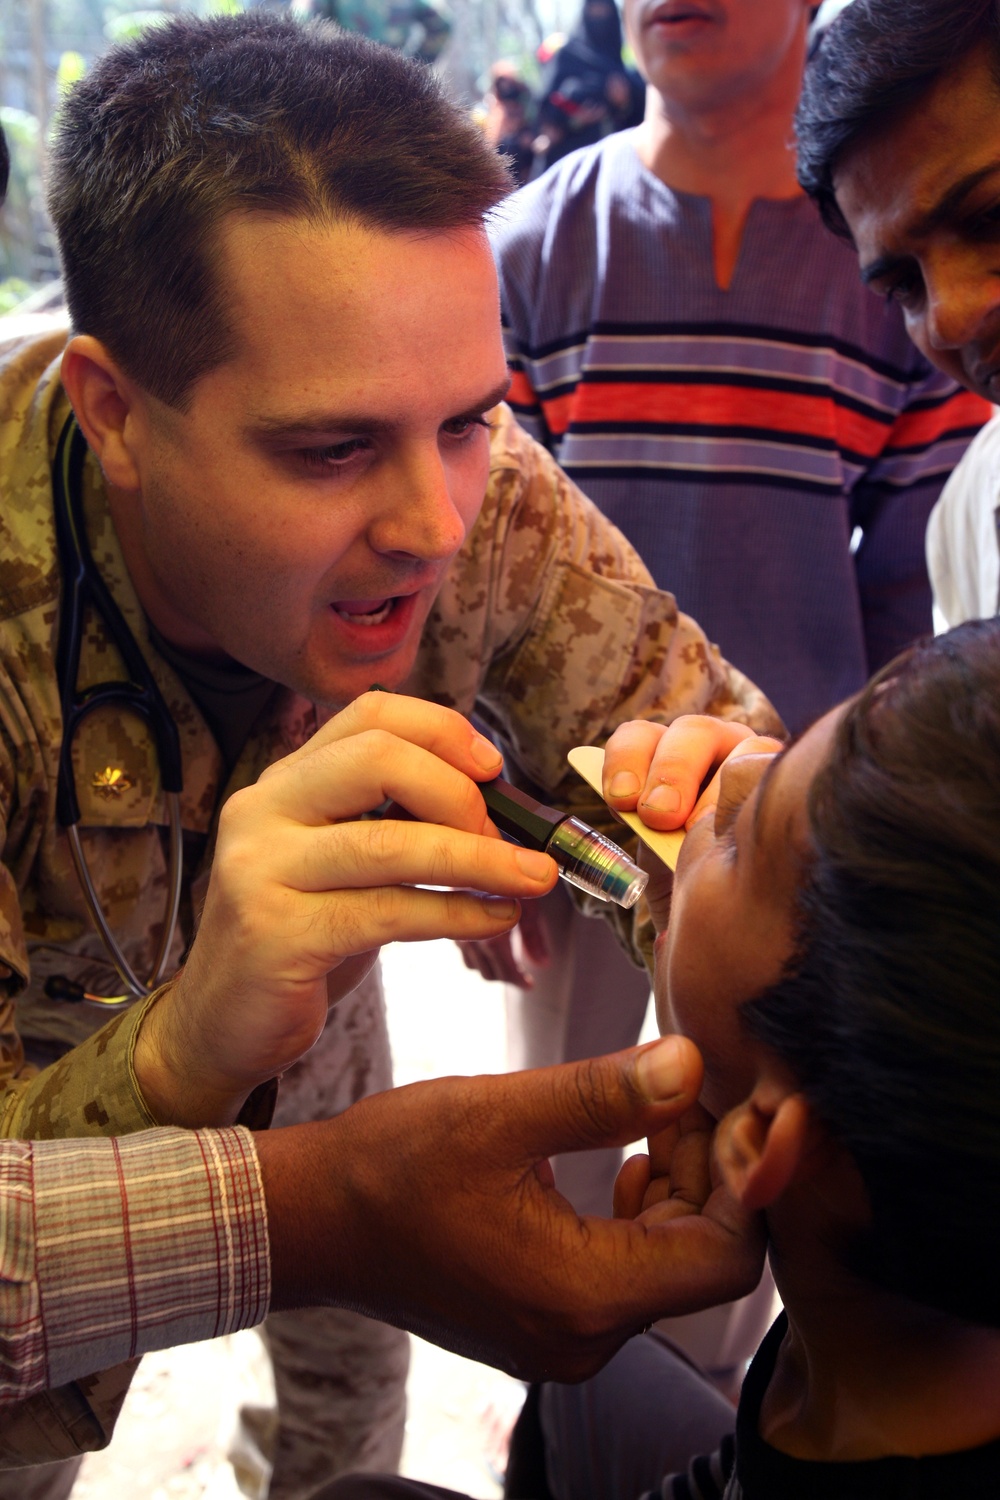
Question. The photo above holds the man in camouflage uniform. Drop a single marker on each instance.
(215, 499)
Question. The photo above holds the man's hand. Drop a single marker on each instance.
(660, 772)
(433, 1207)
(302, 887)
(692, 749)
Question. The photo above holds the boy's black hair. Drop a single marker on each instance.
(200, 119)
(876, 59)
(889, 1014)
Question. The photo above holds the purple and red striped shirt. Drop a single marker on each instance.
(772, 450)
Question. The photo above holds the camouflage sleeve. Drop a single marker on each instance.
(13, 944)
(582, 641)
(18, 745)
(91, 1091)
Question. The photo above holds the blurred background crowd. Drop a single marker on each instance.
(543, 77)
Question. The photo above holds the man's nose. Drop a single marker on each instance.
(420, 518)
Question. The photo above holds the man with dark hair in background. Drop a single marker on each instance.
(295, 482)
(698, 355)
(919, 207)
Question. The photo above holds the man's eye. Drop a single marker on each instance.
(986, 224)
(333, 454)
(461, 427)
(903, 289)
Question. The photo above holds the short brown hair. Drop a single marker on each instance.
(888, 1014)
(201, 118)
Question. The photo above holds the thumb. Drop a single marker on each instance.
(606, 1101)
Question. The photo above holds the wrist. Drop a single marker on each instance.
(166, 1073)
(310, 1228)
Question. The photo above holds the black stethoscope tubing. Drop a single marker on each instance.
(83, 587)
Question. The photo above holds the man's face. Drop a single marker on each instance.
(732, 913)
(922, 200)
(701, 53)
(301, 514)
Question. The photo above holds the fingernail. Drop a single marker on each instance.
(659, 1070)
(663, 799)
(624, 784)
(501, 908)
(535, 865)
(485, 754)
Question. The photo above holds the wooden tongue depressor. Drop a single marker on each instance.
(588, 761)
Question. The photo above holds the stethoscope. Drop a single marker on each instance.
(84, 587)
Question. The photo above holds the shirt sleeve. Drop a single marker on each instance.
(892, 503)
(963, 557)
(112, 1247)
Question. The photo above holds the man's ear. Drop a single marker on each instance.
(762, 1144)
(105, 401)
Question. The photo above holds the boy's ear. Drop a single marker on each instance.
(105, 401)
(762, 1144)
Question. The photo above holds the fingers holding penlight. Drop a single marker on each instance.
(311, 893)
(395, 914)
(441, 732)
(366, 854)
(345, 779)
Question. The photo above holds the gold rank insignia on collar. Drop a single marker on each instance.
(111, 782)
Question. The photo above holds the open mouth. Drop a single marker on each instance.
(365, 611)
(370, 628)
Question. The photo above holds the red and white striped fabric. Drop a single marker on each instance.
(112, 1247)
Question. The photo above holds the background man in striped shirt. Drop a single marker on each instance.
(701, 358)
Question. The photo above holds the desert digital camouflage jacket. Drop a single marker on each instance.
(547, 625)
